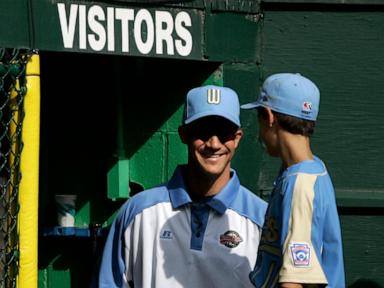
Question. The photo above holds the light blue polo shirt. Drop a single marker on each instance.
(160, 238)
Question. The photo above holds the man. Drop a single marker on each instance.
(301, 240)
(202, 228)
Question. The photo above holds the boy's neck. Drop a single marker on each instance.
(294, 148)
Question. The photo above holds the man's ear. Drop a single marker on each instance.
(183, 134)
(238, 135)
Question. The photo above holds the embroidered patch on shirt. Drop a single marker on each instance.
(166, 234)
(301, 254)
(231, 239)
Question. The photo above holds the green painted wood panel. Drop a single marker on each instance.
(244, 78)
(147, 165)
(363, 238)
(231, 37)
(342, 53)
(340, 49)
(15, 28)
(176, 153)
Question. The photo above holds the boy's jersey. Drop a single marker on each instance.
(301, 238)
(162, 239)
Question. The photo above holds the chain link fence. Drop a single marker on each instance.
(12, 91)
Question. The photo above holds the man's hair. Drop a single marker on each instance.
(291, 124)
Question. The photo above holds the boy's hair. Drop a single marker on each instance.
(289, 123)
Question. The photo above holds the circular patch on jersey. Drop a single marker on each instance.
(231, 239)
(301, 254)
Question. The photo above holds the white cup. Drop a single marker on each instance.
(66, 210)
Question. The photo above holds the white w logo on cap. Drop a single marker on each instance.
(213, 96)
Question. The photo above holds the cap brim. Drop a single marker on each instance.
(252, 105)
(210, 113)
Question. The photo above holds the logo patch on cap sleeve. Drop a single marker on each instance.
(301, 254)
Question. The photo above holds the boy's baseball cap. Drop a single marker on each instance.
(289, 93)
(212, 100)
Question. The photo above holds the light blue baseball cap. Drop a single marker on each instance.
(212, 100)
(290, 94)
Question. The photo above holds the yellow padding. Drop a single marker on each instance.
(29, 185)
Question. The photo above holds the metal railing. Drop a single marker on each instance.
(12, 91)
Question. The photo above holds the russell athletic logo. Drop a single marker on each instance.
(166, 234)
(213, 96)
(231, 239)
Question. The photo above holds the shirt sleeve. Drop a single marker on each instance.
(332, 256)
(300, 262)
(114, 266)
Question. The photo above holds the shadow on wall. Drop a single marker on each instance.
(365, 283)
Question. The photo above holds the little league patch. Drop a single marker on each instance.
(301, 254)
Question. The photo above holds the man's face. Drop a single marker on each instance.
(212, 142)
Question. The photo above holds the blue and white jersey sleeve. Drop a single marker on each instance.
(310, 236)
(301, 239)
(332, 257)
(301, 252)
(117, 265)
(113, 271)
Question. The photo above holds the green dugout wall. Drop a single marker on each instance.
(112, 101)
(339, 46)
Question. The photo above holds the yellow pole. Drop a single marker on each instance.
(29, 185)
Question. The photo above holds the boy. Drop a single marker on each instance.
(301, 241)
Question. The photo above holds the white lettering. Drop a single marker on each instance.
(82, 27)
(164, 28)
(96, 12)
(94, 27)
(144, 17)
(67, 27)
(213, 96)
(111, 28)
(184, 49)
(124, 15)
